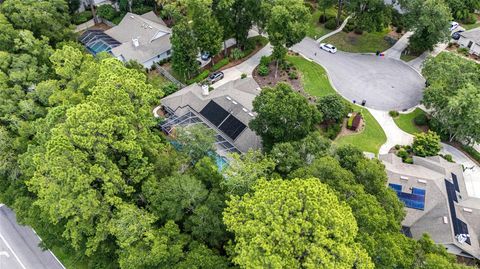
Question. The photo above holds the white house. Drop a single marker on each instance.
(144, 38)
(471, 39)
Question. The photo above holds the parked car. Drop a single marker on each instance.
(205, 56)
(328, 47)
(453, 25)
(214, 77)
(456, 35)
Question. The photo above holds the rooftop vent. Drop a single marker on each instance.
(445, 220)
(229, 98)
(244, 109)
(234, 102)
(135, 42)
(404, 177)
(467, 210)
(251, 114)
(150, 27)
(205, 91)
(422, 181)
(132, 17)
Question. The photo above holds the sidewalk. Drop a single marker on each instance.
(395, 135)
(396, 51)
(334, 32)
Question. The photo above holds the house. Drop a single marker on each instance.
(145, 39)
(227, 110)
(85, 4)
(471, 39)
(436, 202)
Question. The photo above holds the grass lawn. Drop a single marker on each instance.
(316, 83)
(364, 43)
(407, 57)
(315, 29)
(370, 139)
(405, 121)
(470, 26)
(314, 78)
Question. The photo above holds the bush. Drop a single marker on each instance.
(311, 6)
(81, 17)
(236, 54)
(332, 131)
(324, 18)
(118, 19)
(350, 26)
(402, 153)
(243, 76)
(350, 122)
(142, 9)
(426, 144)
(200, 77)
(408, 160)
(463, 51)
(220, 64)
(470, 19)
(397, 147)
(472, 152)
(393, 113)
(265, 60)
(107, 12)
(292, 75)
(448, 157)
(399, 29)
(263, 70)
(358, 31)
(331, 24)
(421, 120)
(169, 88)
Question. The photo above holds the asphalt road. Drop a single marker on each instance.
(386, 84)
(19, 246)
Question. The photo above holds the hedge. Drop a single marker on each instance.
(220, 64)
(472, 152)
(200, 77)
(81, 17)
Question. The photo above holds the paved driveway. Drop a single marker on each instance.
(386, 84)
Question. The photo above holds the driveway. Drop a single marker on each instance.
(385, 83)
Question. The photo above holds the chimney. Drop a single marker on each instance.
(205, 91)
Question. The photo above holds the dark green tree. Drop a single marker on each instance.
(185, 50)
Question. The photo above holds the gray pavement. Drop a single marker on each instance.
(19, 246)
(385, 83)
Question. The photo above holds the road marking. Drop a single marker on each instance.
(11, 250)
(4, 253)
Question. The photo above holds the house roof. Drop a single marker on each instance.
(142, 37)
(433, 174)
(235, 97)
(473, 34)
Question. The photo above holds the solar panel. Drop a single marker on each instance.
(395, 187)
(412, 200)
(232, 127)
(418, 191)
(214, 113)
(455, 182)
(459, 227)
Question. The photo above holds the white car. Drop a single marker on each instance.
(453, 25)
(328, 47)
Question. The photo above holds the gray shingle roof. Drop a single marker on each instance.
(473, 35)
(153, 37)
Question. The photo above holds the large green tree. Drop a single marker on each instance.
(293, 224)
(453, 94)
(207, 30)
(430, 20)
(185, 49)
(283, 115)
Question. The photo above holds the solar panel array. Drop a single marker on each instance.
(222, 119)
(415, 200)
(97, 41)
(459, 227)
(455, 182)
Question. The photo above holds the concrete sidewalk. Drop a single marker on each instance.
(323, 37)
(396, 50)
(395, 135)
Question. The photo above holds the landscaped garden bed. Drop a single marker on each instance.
(364, 42)
(413, 122)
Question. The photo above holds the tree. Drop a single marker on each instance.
(426, 144)
(452, 95)
(49, 18)
(429, 19)
(196, 141)
(243, 171)
(370, 15)
(206, 28)
(325, 4)
(73, 5)
(286, 26)
(293, 224)
(185, 50)
(333, 107)
(283, 115)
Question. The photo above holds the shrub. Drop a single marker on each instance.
(81, 17)
(142, 9)
(118, 19)
(169, 88)
(408, 160)
(421, 120)
(107, 12)
(397, 147)
(402, 153)
(311, 6)
(331, 24)
(472, 152)
(350, 122)
(426, 144)
(470, 19)
(220, 64)
(292, 75)
(463, 51)
(358, 31)
(324, 18)
(200, 77)
(332, 131)
(265, 60)
(263, 70)
(393, 113)
(236, 54)
(399, 29)
(243, 76)
(448, 157)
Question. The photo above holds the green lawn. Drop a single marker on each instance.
(405, 121)
(470, 26)
(407, 57)
(315, 29)
(316, 83)
(370, 139)
(364, 43)
(314, 77)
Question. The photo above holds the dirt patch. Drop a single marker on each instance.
(282, 76)
(393, 33)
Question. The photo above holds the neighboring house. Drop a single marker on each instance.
(85, 4)
(471, 39)
(145, 39)
(436, 202)
(227, 110)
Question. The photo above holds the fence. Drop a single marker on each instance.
(169, 76)
(84, 26)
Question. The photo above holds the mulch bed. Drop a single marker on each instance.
(282, 76)
(345, 131)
